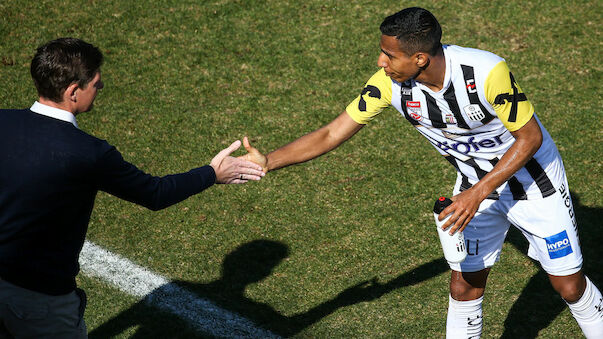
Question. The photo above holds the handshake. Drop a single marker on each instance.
(231, 170)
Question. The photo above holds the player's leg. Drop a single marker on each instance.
(550, 226)
(465, 318)
(484, 238)
(584, 301)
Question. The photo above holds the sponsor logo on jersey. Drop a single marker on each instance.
(373, 92)
(414, 110)
(471, 86)
(471, 145)
(558, 245)
(474, 112)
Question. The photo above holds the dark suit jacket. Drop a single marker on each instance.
(50, 172)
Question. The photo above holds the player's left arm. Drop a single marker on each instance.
(517, 114)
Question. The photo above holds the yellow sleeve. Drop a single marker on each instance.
(506, 97)
(375, 96)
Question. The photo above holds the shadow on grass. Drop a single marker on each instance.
(250, 263)
(539, 304)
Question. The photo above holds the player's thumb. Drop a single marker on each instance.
(247, 145)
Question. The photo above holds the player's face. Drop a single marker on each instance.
(397, 64)
(86, 96)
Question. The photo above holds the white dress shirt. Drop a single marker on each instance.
(54, 112)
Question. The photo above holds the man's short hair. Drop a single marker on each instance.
(416, 29)
(61, 62)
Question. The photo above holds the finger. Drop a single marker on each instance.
(252, 171)
(244, 163)
(228, 150)
(247, 144)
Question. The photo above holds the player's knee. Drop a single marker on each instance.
(570, 292)
(466, 289)
(571, 287)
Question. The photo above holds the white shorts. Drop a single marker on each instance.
(549, 225)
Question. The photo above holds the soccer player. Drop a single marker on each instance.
(467, 104)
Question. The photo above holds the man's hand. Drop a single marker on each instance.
(254, 155)
(230, 170)
(463, 208)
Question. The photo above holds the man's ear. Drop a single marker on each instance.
(71, 92)
(422, 59)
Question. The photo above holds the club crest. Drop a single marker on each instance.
(474, 112)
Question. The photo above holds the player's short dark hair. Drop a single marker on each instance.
(61, 62)
(416, 29)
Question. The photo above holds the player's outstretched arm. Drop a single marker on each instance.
(307, 147)
(230, 170)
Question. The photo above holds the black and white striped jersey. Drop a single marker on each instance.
(469, 120)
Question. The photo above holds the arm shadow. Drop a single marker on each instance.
(250, 263)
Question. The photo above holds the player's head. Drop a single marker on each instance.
(252, 262)
(63, 62)
(416, 29)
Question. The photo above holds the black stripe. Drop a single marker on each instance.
(478, 170)
(403, 99)
(435, 114)
(514, 100)
(474, 97)
(480, 174)
(540, 177)
(515, 186)
(454, 107)
(452, 161)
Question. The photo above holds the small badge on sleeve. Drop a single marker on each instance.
(558, 245)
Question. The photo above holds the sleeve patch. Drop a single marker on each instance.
(506, 97)
(374, 97)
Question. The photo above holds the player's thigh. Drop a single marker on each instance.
(484, 237)
(549, 225)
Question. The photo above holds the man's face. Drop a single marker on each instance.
(85, 96)
(397, 64)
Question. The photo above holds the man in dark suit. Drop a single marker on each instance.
(50, 173)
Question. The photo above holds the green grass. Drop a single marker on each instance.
(183, 79)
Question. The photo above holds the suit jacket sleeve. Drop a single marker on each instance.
(124, 180)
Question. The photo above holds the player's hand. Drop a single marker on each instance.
(463, 208)
(231, 170)
(254, 155)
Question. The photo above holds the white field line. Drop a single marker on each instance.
(158, 291)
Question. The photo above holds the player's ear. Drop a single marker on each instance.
(422, 59)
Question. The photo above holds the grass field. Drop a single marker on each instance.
(185, 78)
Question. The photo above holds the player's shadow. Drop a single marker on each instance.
(248, 264)
(539, 304)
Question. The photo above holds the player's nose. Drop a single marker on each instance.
(382, 60)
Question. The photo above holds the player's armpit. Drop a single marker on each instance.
(506, 97)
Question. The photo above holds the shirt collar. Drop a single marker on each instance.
(53, 112)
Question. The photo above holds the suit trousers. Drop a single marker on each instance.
(29, 314)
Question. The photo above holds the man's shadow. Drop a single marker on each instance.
(248, 264)
(539, 304)
(535, 309)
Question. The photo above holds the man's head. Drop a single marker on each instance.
(416, 29)
(67, 67)
(409, 39)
